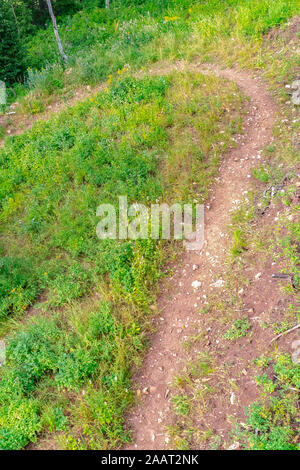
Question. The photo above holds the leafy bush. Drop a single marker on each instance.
(181, 404)
(239, 329)
(99, 42)
(19, 424)
(272, 423)
(101, 322)
(45, 348)
(33, 352)
(75, 367)
(17, 285)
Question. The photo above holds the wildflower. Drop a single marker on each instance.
(13, 290)
(171, 18)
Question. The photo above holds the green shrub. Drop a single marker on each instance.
(101, 323)
(272, 423)
(19, 424)
(239, 329)
(181, 404)
(33, 352)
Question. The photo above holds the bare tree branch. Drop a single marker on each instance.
(65, 58)
(285, 333)
(16, 20)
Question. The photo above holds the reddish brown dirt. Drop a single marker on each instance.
(179, 304)
(263, 301)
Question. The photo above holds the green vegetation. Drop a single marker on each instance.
(11, 60)
(75, 312)
(239, 244)
(131, 138)
(51, 358)
(273, 422)
(90, 155)
(181, 404)
(71, 164)
(290, 247)
(264, 229)
(100, 42)
(239, 329)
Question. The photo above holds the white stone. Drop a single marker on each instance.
(218, 283)
(196, 284)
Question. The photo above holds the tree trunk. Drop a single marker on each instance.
(65, 58)
(15, 17)
(107, 4)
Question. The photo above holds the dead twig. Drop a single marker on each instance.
(272, 191)
(286, 276)
(285, 333)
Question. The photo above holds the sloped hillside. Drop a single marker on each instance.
(138, 343)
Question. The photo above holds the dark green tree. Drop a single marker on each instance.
(57, 37)
(11, 50)
(40, 13)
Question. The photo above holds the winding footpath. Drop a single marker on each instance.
(179, 304)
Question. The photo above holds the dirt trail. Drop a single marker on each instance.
(179, 305)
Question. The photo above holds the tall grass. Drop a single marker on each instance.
(99, 42)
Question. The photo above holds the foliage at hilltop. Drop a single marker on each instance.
(99, 41)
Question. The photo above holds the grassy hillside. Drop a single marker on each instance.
(100, 42)
(130, 139)
(75, 311)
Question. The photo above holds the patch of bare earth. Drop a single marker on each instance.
(288, 34)
(15, 122)
(263, 302)
(179, 302)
